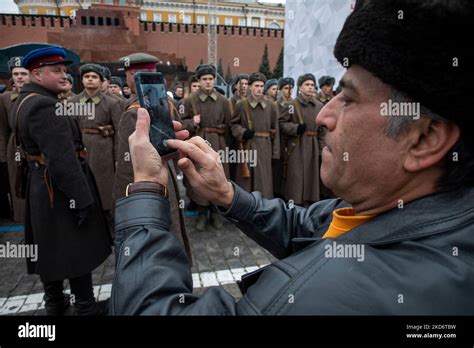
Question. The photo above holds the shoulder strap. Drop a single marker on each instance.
(17, 117)
(231, 107)
(299, 113)
(247, 113)
(193, 104)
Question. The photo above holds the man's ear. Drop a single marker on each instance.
(36, 73)
(429, 141)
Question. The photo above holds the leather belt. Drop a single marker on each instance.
(105, 131)
(220, 131)
(40, 158)
(311, 133)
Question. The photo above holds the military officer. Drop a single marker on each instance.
(297, 123)
(255, 124)
(285, 89)
(206, 113)
(240, 87)
(99, 126)
(69, 93)
(271, 89)
(64, 216)
(326, 84)
(20, 77)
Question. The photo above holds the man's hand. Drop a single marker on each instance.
(197, 120)
(204, 170)
(147, 164)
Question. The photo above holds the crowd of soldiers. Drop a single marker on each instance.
(78, 168)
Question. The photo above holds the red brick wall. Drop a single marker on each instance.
(242, 50)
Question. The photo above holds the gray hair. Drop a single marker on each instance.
(397, 125)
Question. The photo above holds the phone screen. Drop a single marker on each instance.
(152, 96)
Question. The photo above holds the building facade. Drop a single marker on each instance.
(244, 13)
(104, 33)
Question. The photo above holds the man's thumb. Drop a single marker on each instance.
(142, 128)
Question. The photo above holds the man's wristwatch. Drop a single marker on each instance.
(146, 186)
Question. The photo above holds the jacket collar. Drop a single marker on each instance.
(305, 101)
(253, 102)
(84, 97)
(203, 96)
(429, 215)
(32, 87)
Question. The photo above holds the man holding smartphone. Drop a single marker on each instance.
(399, 240)
(134, 63)
(207, 113)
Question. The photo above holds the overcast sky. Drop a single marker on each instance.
(8, 6)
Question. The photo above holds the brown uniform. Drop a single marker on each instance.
(214, 127)
(266, 141)
(6, 138)
(124, 173)
(100, 140)
(277, 164)
(302, 151)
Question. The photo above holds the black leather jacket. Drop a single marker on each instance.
(418, 260)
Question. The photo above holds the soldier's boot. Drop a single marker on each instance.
(56, 303)
(217, 220)
(201, 222)
(87, 307)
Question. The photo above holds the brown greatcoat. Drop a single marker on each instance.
(215, 113)
(6, 101)
(302, 151)
(264, 119)
(124, 173)
(101, 150)
(277, 164)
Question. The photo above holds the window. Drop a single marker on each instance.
(50, 12)
(215, 20)
(143, 16)
(273, 25)
(172, 18)
(62, 13)
(255, 22)
(201, 20)
(228, 21)
(156, 17)
(187, 19)
(242, 22)
(33, 11)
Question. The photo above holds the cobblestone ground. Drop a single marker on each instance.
(219, 258)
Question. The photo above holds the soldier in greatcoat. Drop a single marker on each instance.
(206, 113)
(255, 125)
(297, 123)
(8, 152)
(98, 126)
(64, 217)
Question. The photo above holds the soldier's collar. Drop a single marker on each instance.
(95, 99)
(13, 96)
(254, 102)
(203, 96)
(305, 101)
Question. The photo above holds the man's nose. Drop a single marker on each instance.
(327, 117)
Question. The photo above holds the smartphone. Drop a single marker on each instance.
(152, 96)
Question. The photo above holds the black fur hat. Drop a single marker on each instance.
(418, 47)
